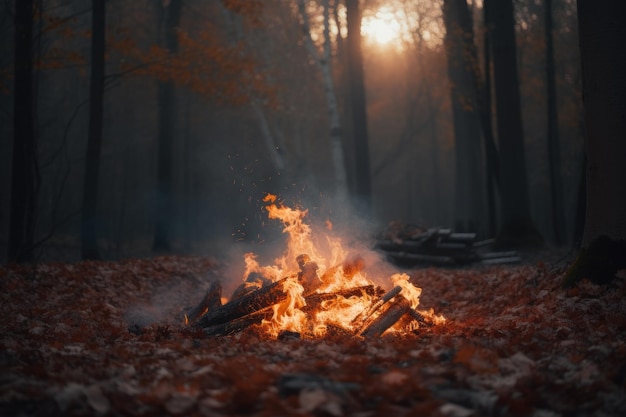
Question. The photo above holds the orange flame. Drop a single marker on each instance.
(311, 264)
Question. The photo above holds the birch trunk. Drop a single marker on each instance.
(322, 61)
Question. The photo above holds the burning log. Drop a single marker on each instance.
(239, 324)
(388, 318)
(362, 320)
(212, 299)
(313, 301)
(258, 300)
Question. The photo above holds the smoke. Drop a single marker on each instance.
(331, 220)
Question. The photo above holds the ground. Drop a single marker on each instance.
(106, 338)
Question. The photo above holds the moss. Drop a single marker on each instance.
(599, 262)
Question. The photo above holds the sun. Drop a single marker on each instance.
(381, 28)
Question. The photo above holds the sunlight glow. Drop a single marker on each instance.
(381, 28)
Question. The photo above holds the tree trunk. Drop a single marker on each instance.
(604, 93)
(336, 131)
(601, 32)
(518, 229)
(462, 64)
(89, 234)
(362, 193)
(554, 152)
(24, 176)
(170, 21)
(491, 152)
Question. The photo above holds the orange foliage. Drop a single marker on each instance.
(206, 63)
(205, 66)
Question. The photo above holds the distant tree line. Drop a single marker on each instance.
(155, 127)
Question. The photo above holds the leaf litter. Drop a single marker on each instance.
(106, 338)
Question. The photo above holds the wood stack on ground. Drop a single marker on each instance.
(409, 245)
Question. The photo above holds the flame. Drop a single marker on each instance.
(319, 264)
(409, 291)
(287, 315)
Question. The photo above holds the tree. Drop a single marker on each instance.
(362, 192)
(24, 179)
(170, 20)
(554, 154)
(89, 230)
(603, 248)
(323, 61)
(492, 172)
(517, 226)
(462, 72)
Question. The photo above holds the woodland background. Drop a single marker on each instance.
(231, 97)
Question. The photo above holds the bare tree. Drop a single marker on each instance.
(517, 226)
(323, 61)
(89, 231)
(25, 180)
(362, 192)
(170, 20)
(492, 171)
(462, 71)
(554, 149)
(602, 32)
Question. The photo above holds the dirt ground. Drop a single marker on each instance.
(106, 339)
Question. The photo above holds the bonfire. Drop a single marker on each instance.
(310, 291)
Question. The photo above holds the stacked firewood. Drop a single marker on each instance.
(253, 301)
(409, 245)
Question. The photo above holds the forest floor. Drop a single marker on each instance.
(105, 338)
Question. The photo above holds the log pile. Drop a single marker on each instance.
(408, 246)
(255, 300)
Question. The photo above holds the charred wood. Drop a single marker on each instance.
(212, 299)
(314, 301)
(238, 324)
(399, 307)
(364, 318)
(419, 317)
(258, 300)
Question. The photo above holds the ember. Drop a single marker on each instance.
(308, 292)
